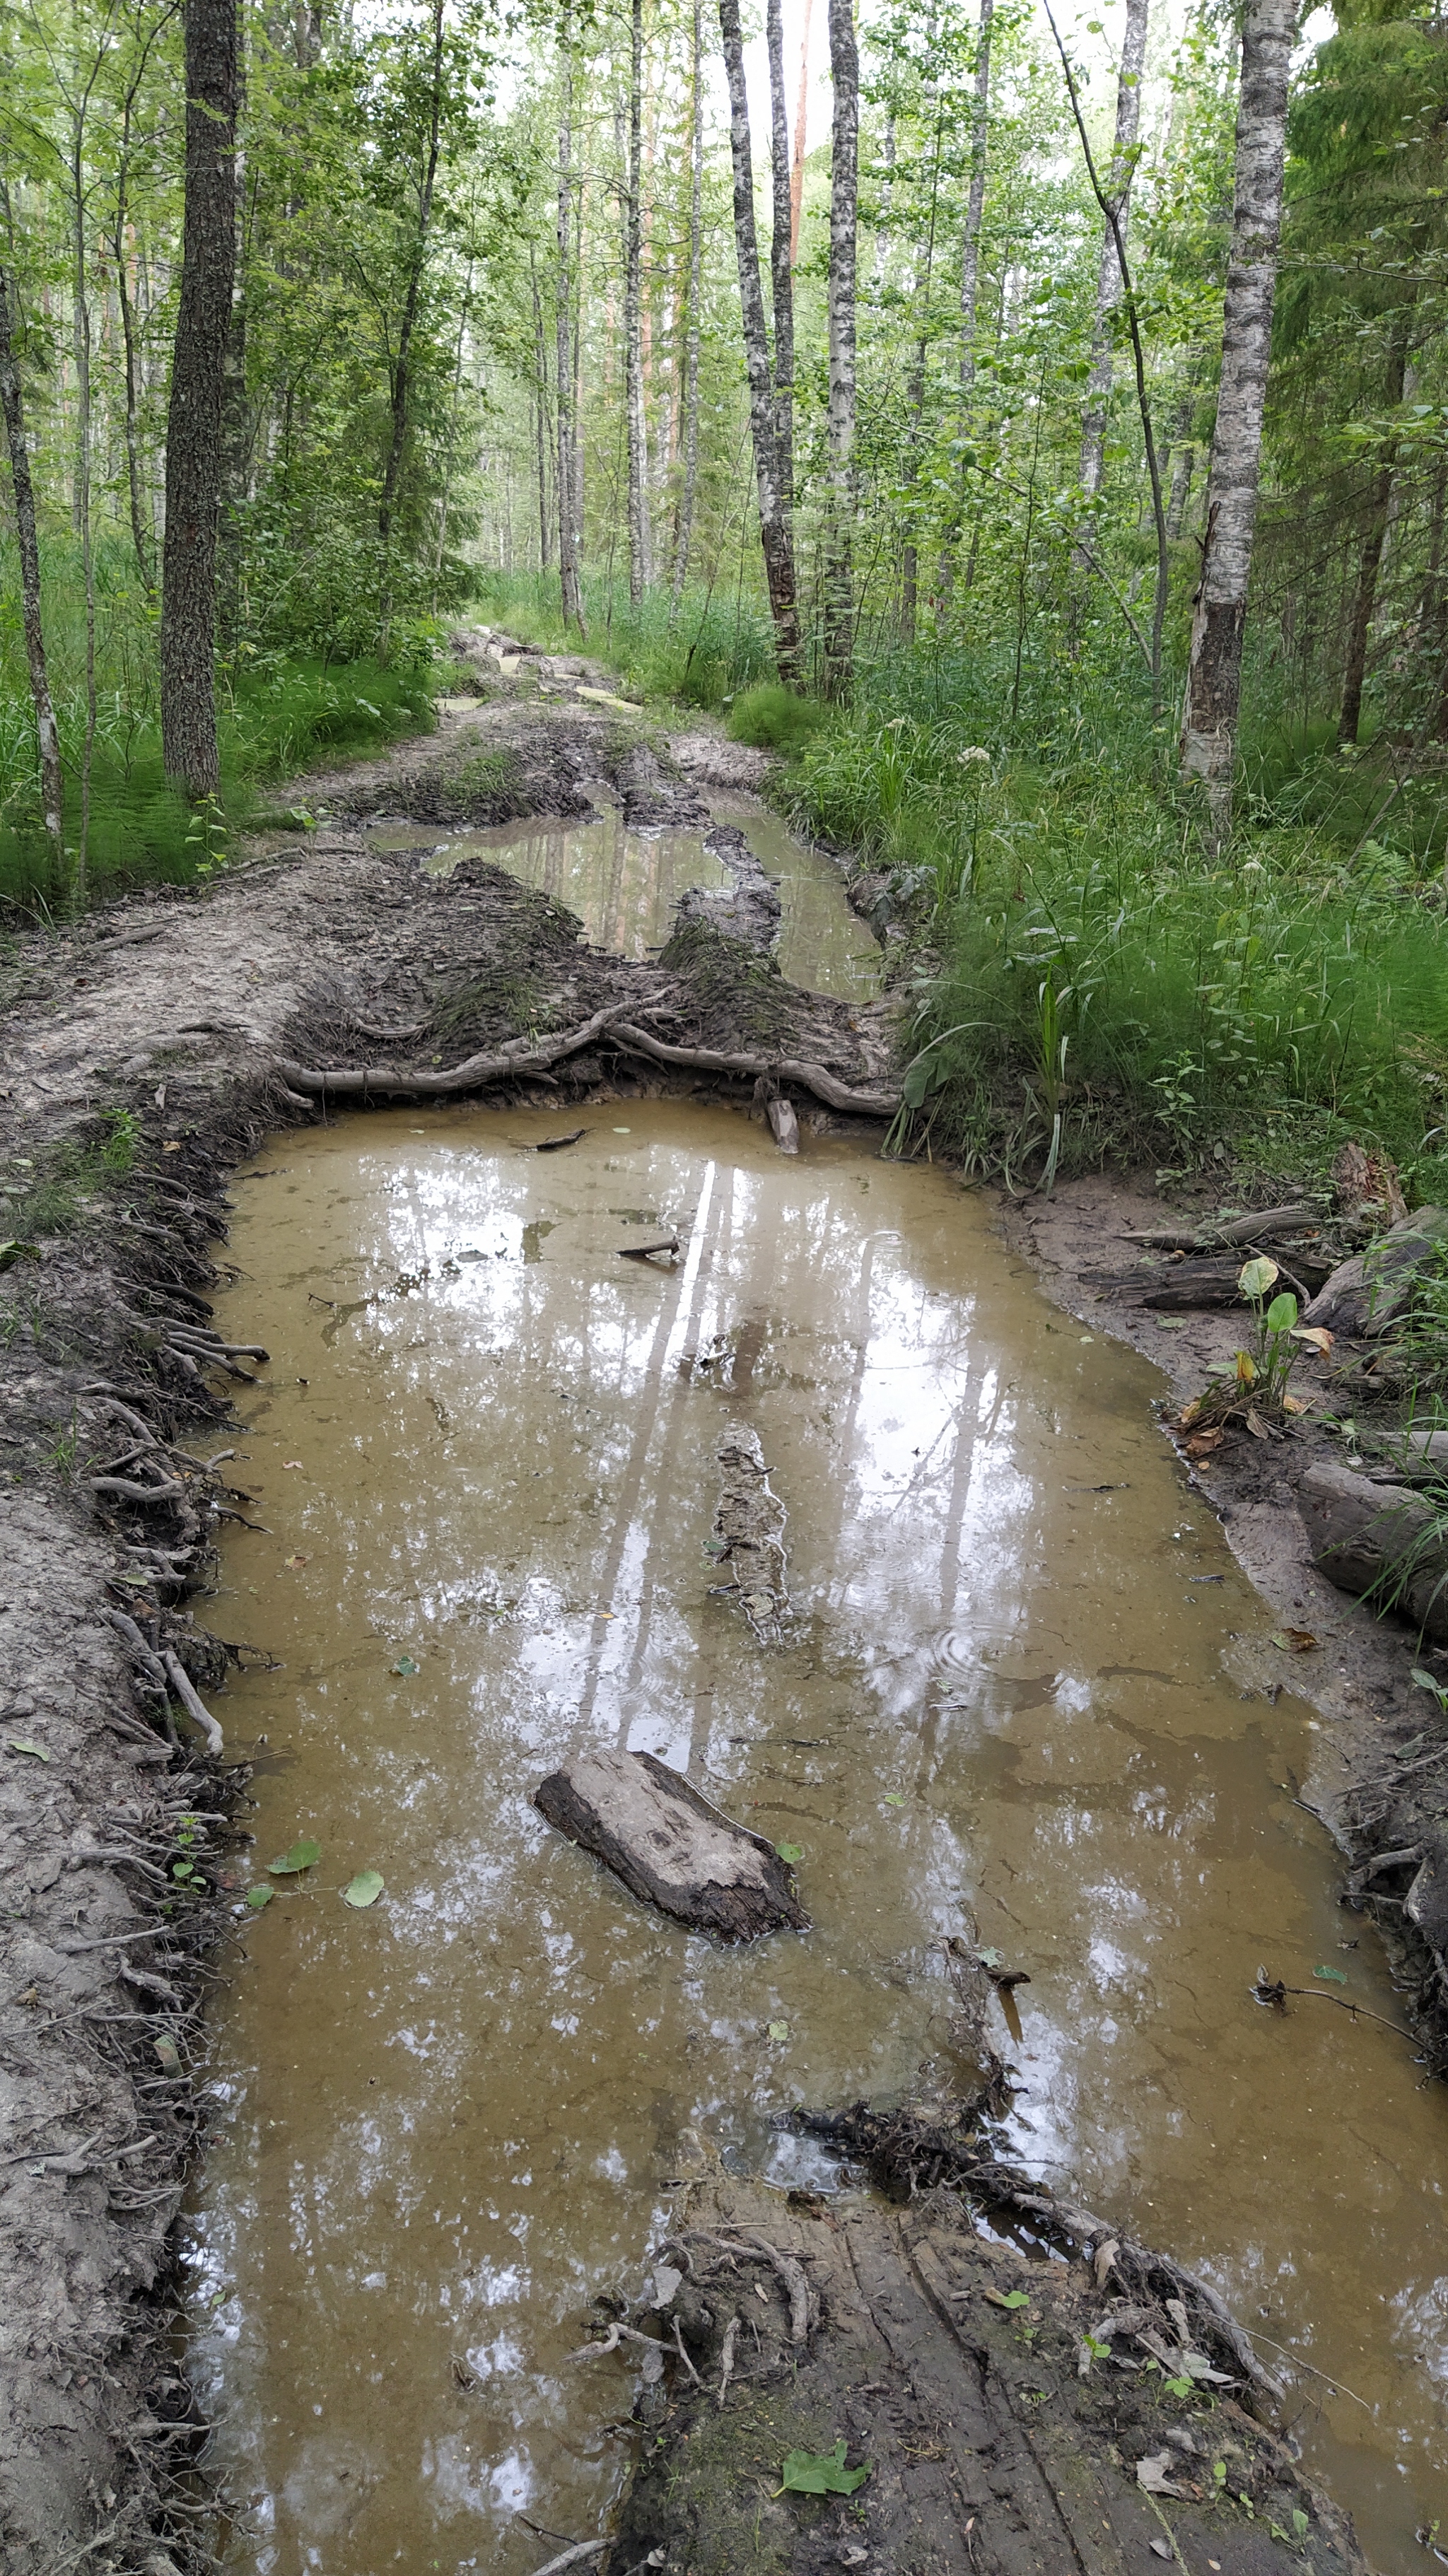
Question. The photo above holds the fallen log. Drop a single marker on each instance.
(670, 1847)
(1365, 1295)
(1378, 1541)
(497, 1064)
(1262, 1227)
(826, 1086)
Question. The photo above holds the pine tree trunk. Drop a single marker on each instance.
(780, 268)
(193, 426)
(844, 195)
(47, 739)
(633, 318)
(81, 327)
(566, 478)
(691, 342)
(235, 420)
(775, 537)
(1109, 279)
(1214, 676)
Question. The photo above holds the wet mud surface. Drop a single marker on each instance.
(1019, 1672)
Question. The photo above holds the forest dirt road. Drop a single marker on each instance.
(147, 1049)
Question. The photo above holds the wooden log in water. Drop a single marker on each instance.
(652, 1828)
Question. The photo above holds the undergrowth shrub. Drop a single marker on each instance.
(774, 718)
(707, 651)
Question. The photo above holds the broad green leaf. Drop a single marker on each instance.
(1299, 2523)
(790, 1852)
(1335, 1974)
(1282, 1313)
(12, 1252)
(22, 1744)
(303, 1855)
(167, 2054)
(259, 1896)
(404, 1666)
(893, 1798)
(820, 2473)
(1256, 1276)
(364, 1889)
(779, 2030)
(1009, 2298)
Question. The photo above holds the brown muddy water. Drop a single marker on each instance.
(1022, 1670)
(624, 885)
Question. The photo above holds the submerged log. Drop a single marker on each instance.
(652, 1828)
(1379, 1541)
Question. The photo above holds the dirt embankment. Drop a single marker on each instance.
(1380, 1781)
(142, 1059)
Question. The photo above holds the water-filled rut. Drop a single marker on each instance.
(1019, 1668)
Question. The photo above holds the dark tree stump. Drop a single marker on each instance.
(670, 1846)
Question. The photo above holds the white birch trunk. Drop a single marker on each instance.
(565, 479)
(1214, 676)
(633, 320)
(691, 343)
(780, 266)
(1109, 279)
(775, 537)
(844, 198)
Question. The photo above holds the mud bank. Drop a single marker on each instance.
(1381, 1779)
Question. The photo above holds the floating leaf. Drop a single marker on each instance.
(22, 1744)
(257, 1897)
(820, 2473)
(291, 1462)
(1335, 1974)
(295, 1563)
(1294, 1641)
(1009, 2298)
(364, 1889)
(779, 2030)
(893, 1798)
(989, 1958)
(303, 1854)
(404, 1667)
(790, 1852)
(1257, 1276)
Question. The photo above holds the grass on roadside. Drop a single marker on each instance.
(701, 655)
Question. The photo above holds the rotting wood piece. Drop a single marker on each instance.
(1264, 1226)
(1365, 1295)
(1381, 1542)
(651, 1827)
(784, 1126)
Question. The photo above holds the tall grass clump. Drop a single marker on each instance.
(276, 713)
(701, 655)
(1096, 982)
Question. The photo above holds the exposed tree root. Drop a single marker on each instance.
(826, 1086)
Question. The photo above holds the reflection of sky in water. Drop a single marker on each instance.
(997, 1686)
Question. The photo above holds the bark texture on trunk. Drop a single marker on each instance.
(844, 203)
(651, 1827)
(975, 201)
(1214, 676)
(567, 480)
(1109, 279)
(1370, 556)
(638, 535)
(776, 540)
(194, 418)
(692, 332)
(781, 277)
(801, 121)
(47, 739)
(401, 384)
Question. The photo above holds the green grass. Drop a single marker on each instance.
(774, 718)
(702, 657)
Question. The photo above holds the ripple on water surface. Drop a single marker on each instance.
(484, 1457)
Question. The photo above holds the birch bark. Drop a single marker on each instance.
(975, 201)
(1214, 675)
(775, 536)
(781, 277)
(565, 480)
(47, 738)
(844, 200)
(691, 342)
(801, 121)
(1109, 279)
(633, 317)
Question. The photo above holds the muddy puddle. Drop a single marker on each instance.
(624, 884)
(1019, 1667)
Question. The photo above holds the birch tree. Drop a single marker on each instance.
(844, 204)
(566, 478)
(1109, 278)
(12, 403)
(780, 252)
(692, 323)
(1214, 675)
(775, 535)
(638, 529)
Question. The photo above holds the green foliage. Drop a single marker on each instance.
(702, 654)
(774, 718)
